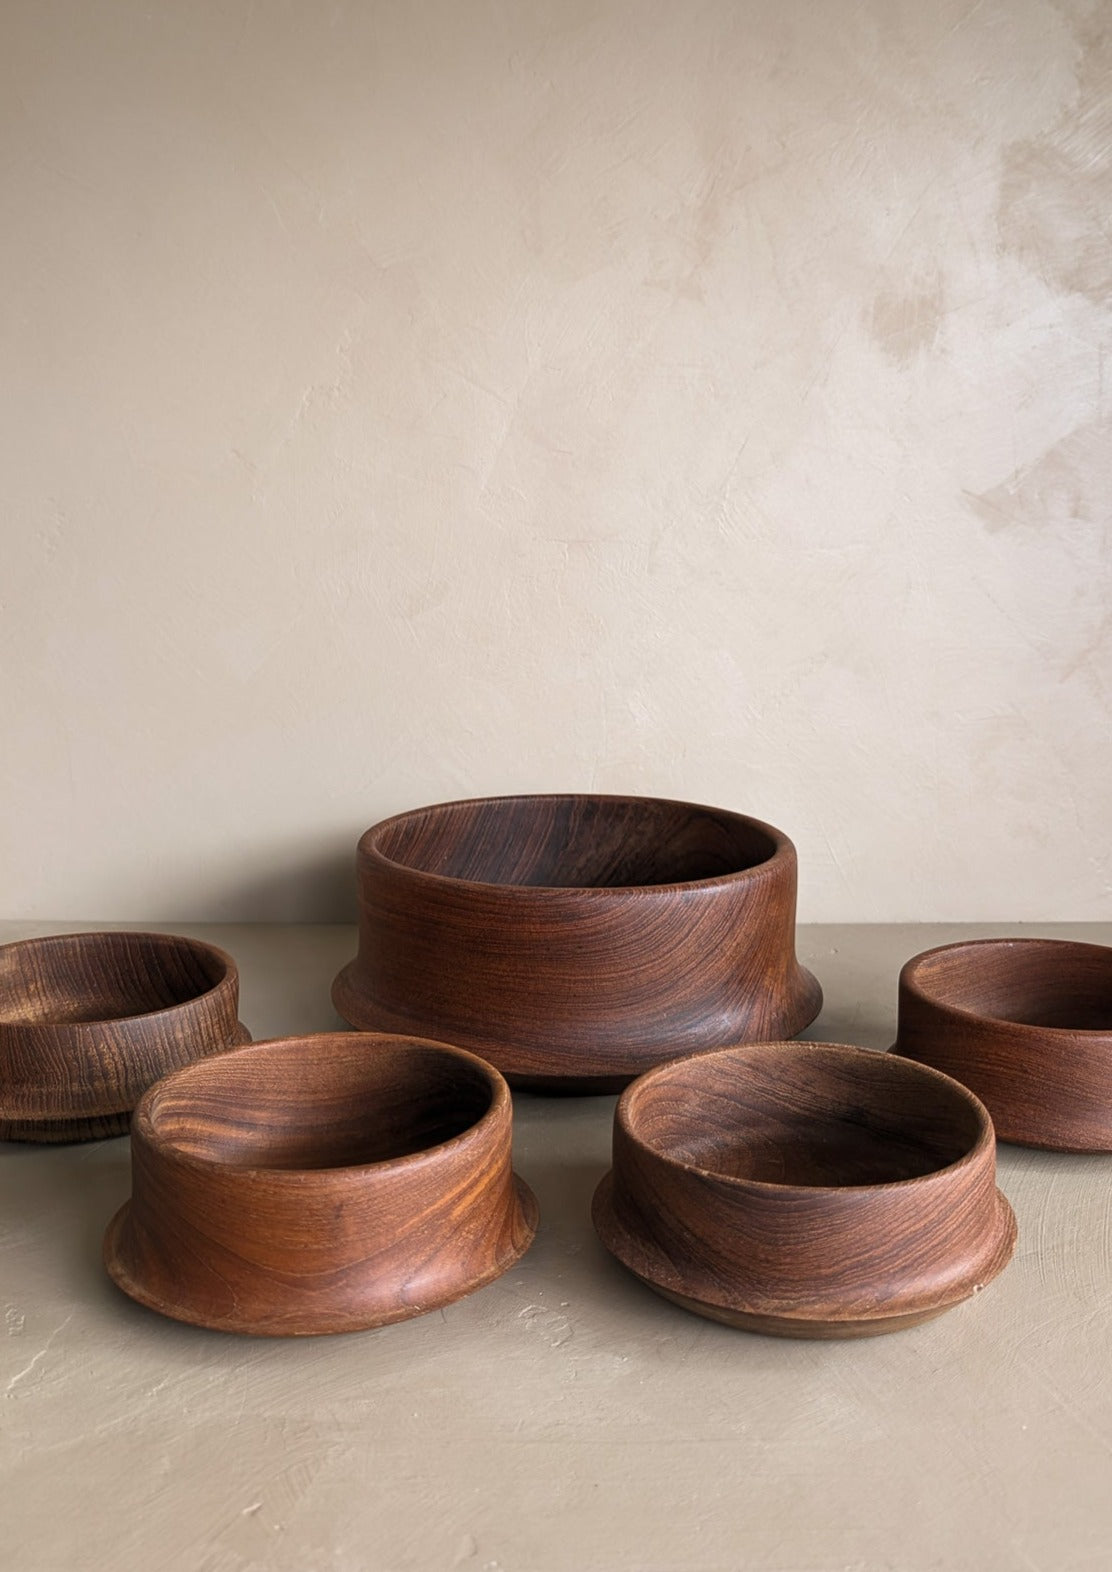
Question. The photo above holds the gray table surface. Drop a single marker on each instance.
(564, 1419)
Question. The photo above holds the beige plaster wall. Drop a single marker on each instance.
(405, 401)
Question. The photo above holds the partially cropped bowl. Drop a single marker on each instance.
(574, 941)
(1027, 1025)
(320, 1184)
(89, 1020)
(805, 1189)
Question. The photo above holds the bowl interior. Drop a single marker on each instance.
(574, 841)
(312, 1103)
(102, 977)
(1048, 983)
(794, 1115)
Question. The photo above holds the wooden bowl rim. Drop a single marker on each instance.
(231, 972)
(909, 979)
(782, 847)
(142, 1123)
(984, 1143)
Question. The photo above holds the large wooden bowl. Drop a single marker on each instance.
(89, 1020)
(805, 1189)
(320, 1184)
(574, 941)
(1027, 1025)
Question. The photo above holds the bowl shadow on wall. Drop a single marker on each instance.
(303, 906)
(844, 1021)
(307, 887)
(859, 992)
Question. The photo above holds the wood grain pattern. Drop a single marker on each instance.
(89, 1020)
(1027, 1025)
(320, 1184)
(805, 1189)
(576, 940)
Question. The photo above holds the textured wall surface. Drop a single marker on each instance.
(415, 401)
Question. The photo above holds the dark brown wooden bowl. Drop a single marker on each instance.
(320, 1184)
(1026, 1024)
(89, 1020)
(574, 941)
(805, 1189)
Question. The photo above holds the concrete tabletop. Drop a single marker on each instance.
(564, 1419)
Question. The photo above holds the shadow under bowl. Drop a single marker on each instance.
(805, 1189)
(1026, 1024)
(320, 1184)
(574, 941)
(89, 1020)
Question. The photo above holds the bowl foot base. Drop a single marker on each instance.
(69, 1129)
(58, 1132)
(793, 1326)
(289, 1319)
(524, 1066)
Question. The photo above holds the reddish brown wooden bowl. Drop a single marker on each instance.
(574, 941)
(805, 1189)
(1027, 1025)
(320, 1184)
(89, 1020)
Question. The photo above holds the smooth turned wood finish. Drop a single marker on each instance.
(89, 1020)
(805, 1189)
(1026, 1024)
(320, 1184)
(574, 941)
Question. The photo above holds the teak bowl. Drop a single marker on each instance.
(320, 1184)
(89, 1020)
(574, 941)
(1026, 1024)
(805, 1189)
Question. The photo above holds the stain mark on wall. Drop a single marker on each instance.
(1056, 189)
(1054, 490)
(905, 323)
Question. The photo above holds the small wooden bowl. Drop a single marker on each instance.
(574, 941)
(89, 1020)
(805, 1189)
(320, 1184)
(1026, 1024)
